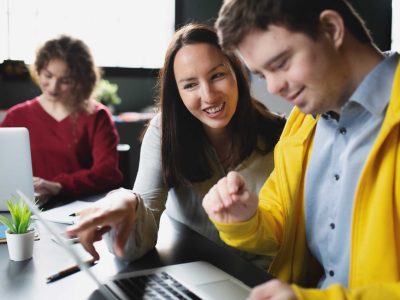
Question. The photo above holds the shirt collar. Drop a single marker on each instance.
(374, 91)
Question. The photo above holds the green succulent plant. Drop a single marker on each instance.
(20, 217)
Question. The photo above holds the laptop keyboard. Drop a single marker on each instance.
(154, 286)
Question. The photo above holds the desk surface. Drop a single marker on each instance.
(176, 244)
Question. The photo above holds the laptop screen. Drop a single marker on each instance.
(16, 165)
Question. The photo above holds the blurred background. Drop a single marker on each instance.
(128, 39)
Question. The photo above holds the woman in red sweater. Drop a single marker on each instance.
(73, 138)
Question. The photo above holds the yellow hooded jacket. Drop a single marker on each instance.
(278, 227)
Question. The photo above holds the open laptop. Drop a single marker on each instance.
(15, 164)
(194, 280)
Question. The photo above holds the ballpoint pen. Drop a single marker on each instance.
(69, 271)
(74, 214)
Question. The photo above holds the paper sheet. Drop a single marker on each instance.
(62, 214)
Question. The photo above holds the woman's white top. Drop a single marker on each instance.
(184, 203)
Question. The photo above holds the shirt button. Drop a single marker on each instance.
(342, 130)
(331, 273)
(332, 225)
(336, 176)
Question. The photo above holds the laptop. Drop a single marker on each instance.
(15, 164)
(194, 280)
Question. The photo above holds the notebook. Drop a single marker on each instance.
(194, 280)
(15, 164)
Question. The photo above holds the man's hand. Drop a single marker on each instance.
(229, 201)
(273, 290)
(117, 210)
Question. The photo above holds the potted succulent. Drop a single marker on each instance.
(19, 234)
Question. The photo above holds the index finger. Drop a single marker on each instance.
(91, 221)
(235, 182)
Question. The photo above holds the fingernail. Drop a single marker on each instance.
(71, 228)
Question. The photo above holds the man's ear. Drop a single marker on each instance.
(332, 26)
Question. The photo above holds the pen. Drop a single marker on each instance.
(74, 214)
(69, 271)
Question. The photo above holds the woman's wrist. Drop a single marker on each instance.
(128, 195)
(134, 200)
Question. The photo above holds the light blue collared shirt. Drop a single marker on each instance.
(339, 153)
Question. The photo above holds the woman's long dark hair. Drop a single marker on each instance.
(183, 144)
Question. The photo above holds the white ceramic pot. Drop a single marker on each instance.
(20, 246)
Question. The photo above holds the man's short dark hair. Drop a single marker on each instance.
(238, 17)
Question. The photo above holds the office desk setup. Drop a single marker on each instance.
(176, 244)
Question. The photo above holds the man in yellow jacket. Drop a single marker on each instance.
(330, 211)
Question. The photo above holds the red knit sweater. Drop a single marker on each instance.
(79, 153)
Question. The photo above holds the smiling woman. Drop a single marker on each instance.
(123, 27)
(208, 88)
(207, 124)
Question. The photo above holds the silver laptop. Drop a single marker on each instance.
(15, 164)
(194, 280)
